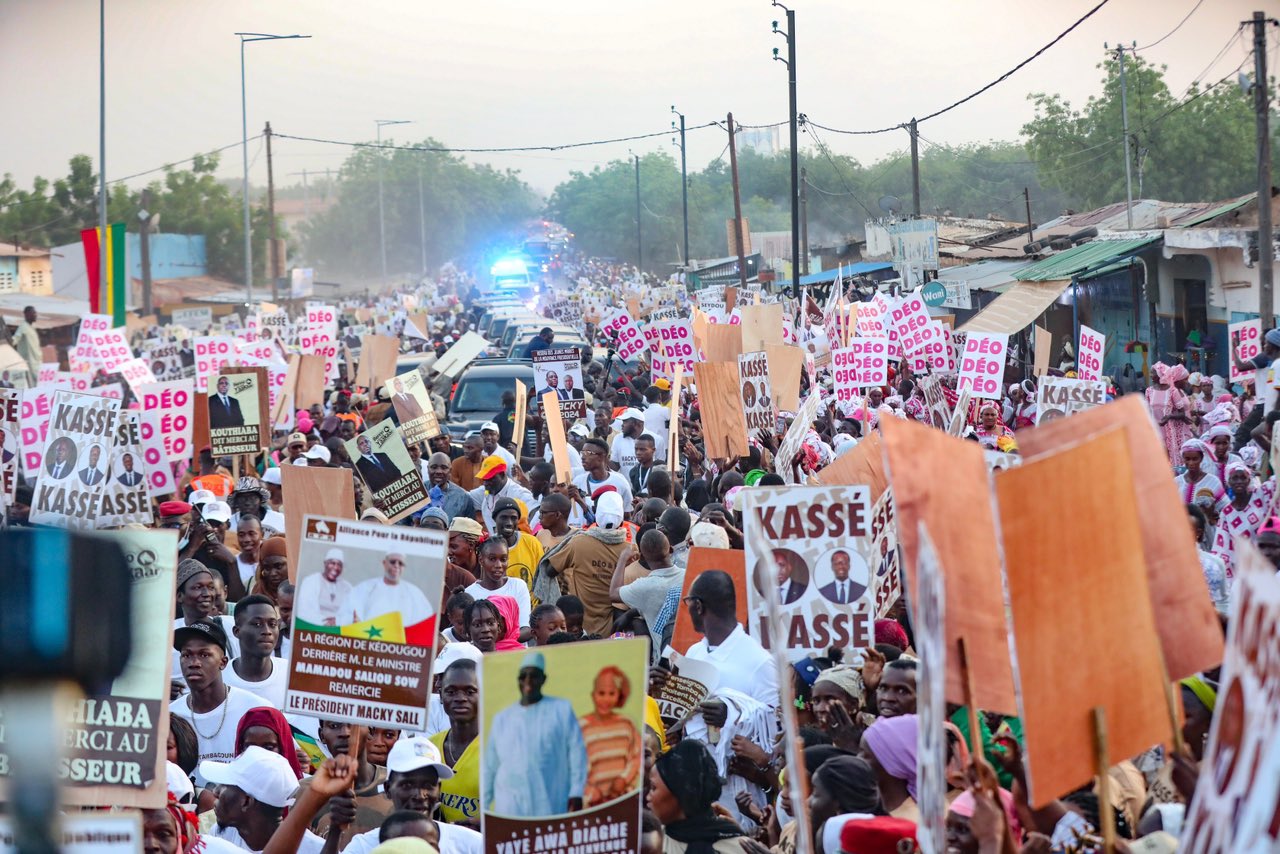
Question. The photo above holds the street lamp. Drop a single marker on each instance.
(382, 231)
(790, 35)
(684, 183)
(244, 133)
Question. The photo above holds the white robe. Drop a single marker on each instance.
(534, 760)
(319, 599)
(375, 597)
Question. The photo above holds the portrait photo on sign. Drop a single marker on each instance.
(411, 401)
(233, 401)
(371, 592)
(560, 372)
(784, 569)
(60, 458)
(561, 747)
(383, 463)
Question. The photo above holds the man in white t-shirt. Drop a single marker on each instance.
(657, 414)
(595, 453)
(256, 669)
(212, 707)
(495, 483)
(254, 790)
(489, 435)
(319, 597)
(623, 455)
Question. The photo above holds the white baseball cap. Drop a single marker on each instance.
(178, 783)
(300, 461)
(272, 476)
(217, 511)
(630, 413)
(580, 430)
(452, 652)
(261, 774)
(202, 496)
(609, 510)
(489, 425)
(319, 452)
(410, 753)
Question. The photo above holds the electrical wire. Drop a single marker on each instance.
(491, 150)
(1185, 18)
(826, 152)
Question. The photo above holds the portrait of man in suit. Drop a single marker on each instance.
(128, 477)
(789, 573)
(61, 459)
(406, 405)
(91, 475)
(224, 410)
(376, 468)
(843, 590)
(553, 384)
(571, 393)
(6, 453)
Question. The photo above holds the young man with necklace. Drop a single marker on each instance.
(256, 669)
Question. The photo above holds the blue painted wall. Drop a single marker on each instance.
(173, 256)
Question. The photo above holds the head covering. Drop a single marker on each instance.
(505, 503)
(535, 660)
(405, 845)
(188, 569)
(1177, 374)
(273, 547)
(1205, 694)
(217, 511)
(510, 611)
(466, 527)
(707, 535)
(412, 752)
(271, 476)
(580, 430)
(452, 652)
(490, 467)
(274, 720)
(178, 783)
(964, 805)
(1197, 446)
(988, 405)
(251, 484)
(846, 677)
(1235, 466)
(753, 477)
(663, 383)
(200, 497)
(1272, 337)
(318, 452)
(1161, 370)
(875, 835)
(893, 741)
(609, 510)
(373, 514)
(1271, 526)
(1196, 378)
(206, 628)
(174, 508)
(1215, 431)
(891, 632)
(689, 771)
(436, 513)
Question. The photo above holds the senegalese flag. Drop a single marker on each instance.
(106, 297)
(309, 746)
(387, 627)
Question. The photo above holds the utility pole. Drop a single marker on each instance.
(1124, 119)
(804, 221)
(145, 218)
(422, 220)
(273, 254)
(737, 212)
(1031, 232)
(103, 236)
(915, 167)
(790, 36)
(1262, 106)
(306, 193)
(382, 223)
(684, 187)
(639, 244)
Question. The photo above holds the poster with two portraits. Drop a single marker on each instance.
(560, 372)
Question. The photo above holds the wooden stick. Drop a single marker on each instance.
(975, 734)
(1106, 817)
(353, 744)
(1171, 699)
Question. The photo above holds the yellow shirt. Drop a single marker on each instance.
(523, 557)
(460, 794)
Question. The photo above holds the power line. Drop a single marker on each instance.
(491, 150)
(1185, 18)
(826, 152)
(1003, 77)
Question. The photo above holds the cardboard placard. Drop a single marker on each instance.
(724, 427)
(756, 391)
(862, 465)
(239, 416)
(673, 422)
(1044, 351)
(393, 479)
(309, 388)
(68, 493)
(558, 372)
(982, 365)
(723, 342)
(1089, 354)
(1245, 339)
(1058, 397)
(1190, 633)
(761, 326)
(313, 491)
(521, 415)
(960, 521)
(701, 559)
(10, 407)
(1086, 594)
(377, 360)
(411, 400)
(555, 433)
(928, 619)
(785, 364)
(125, 498)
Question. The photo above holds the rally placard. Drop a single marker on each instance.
(927, 348)
(870, 361)
(213, 353)
(578, 714)
(165, 360)
(84, 356)
(154, 457)
(1090, 355)
(33, 421)
(174, 402)
(756, 392)
(88, 833)
(364, 622)
(1235, 805)
(928, 615)
(559, 372)
(870, 320)
(10, 409)
(384, 464)
(1246, 339)
(690, 682)
(884, 554)
(909, 316)
(982, 365)
(1058, 397)
(114, 746)
(676, 340)
(935, 401)
(239, 413)
(810, 547)
(197, 319)
(125, 498)
(411, 400)
(621, 329)
(73, 471)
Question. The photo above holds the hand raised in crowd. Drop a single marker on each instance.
(845, 733)
(768, 440)
(873, 662)
(987, 822)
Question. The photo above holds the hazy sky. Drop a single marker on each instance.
(514, 72)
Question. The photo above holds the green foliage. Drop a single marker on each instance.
(468, 211)
(1198, 146)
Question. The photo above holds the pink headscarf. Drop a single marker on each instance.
(510, 611)
(1177, 374)
(964, 806)
(893, 741)
(1161, 370)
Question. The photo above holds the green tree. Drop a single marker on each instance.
(1198, 146)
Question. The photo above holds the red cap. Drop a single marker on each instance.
(174, 508)
(608, 487)
(879, 835)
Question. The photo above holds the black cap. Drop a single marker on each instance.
(205, 629)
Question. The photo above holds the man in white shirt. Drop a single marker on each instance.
(595, 453)
(657, 414)
(495, 484)
(254, 790)
(649, 594)
(489, 435)
(386, 595)
(623, 455)
(320, 597)
(257, 670)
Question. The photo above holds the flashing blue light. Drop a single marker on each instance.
(509, 267)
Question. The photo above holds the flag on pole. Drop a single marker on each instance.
(106, 297)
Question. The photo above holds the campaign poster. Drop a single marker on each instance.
(197, 319)
(1246, 339)
(383, 463)
(691, 681)
(411, 400)
(566, 311)
(928, 620)
(1237, 801)
(1058, 397)
(870, 321)
(559, 372)
(795, 435)
(88, 833)
(676, 344)
(909, 316)
(84, 356)
(884, 554)
(174, 403)
(365, 622)
(10, 408)
(935, 401)
(125, 498)
(811, 547)
(1090, 357)
(239, 415)
(114, 750)
(159, 473)
(165, 359)
(561, 750)
(982, 365)
(73, 473)
(926, 348)
(756, 392)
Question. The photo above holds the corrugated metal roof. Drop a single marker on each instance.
(857, 269)
(984, 275)
(1078, 261)
(1016, 308)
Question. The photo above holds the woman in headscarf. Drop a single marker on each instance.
(913, 402)
(889, 747)
(1219, 437)
(1020, 405)
(273, 568)
(837, 700)
(1195, 482)
(990, 431)
(1170, 407)
(267, 728)
(960, 837)
(1243, 515)
(684, 786)
(841, 786)
(171, 830)
(1215, 571)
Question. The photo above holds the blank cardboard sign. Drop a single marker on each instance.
(785, 364)
(701, 559)
(724, 426)
(864, 464)
(316, 491)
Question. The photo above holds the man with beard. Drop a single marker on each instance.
(444, 493)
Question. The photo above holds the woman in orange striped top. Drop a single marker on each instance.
(612, 742)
